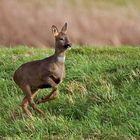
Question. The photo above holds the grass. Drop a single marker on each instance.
(99, 98)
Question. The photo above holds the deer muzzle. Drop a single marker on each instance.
(68, 46)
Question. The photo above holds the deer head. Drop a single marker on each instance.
(62, 42)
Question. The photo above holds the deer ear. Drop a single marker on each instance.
(64, 28)
(54, 30)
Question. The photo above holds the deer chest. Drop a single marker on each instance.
(57, 72)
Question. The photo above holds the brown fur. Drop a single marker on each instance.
(45, 73)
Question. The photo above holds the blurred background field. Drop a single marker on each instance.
(96, 22)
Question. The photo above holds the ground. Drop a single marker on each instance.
(99, 98)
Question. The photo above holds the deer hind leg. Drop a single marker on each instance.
(24, 106)
(29, 100)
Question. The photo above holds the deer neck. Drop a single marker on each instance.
(60, 56)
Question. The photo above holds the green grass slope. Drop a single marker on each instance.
(99, 98)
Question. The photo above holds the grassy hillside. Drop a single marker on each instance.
(99, 98)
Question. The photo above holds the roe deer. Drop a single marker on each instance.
(45, 73)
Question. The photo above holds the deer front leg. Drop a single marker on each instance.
(53, 93)
(49, 97)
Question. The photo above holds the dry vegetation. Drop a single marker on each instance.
(91, 22)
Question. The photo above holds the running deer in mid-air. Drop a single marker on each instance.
(45, 73)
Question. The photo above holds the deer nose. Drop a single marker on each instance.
(68, 45)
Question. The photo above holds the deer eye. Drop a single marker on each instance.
(62, 39)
